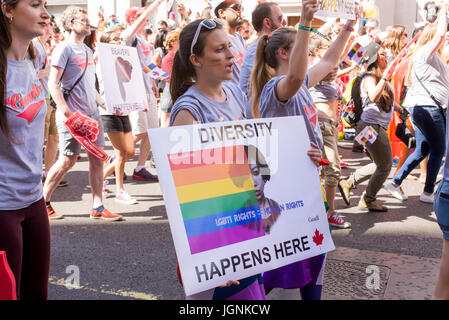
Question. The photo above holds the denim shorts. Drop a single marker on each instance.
(441, 205)
(68, 145)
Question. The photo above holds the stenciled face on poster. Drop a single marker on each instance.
(122, 78)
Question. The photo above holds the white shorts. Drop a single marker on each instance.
(141, 121)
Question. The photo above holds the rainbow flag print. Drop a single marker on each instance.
(217, 198)
(156, 72)
(357, 53)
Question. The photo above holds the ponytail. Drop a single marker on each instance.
(181, 77)
(265, 63)
(261, 74)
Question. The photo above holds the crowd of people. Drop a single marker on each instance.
(221, 67)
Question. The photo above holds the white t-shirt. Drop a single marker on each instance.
(434, 75)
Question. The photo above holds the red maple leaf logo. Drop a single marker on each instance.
(318, 238)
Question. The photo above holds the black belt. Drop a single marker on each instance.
(332, 122)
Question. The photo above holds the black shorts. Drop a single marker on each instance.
(113, 123)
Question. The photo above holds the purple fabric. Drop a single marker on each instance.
(255, 291)
(295, 275)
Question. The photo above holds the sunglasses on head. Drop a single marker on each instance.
(210, 24)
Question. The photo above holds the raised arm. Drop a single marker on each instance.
(141, 22)
(332, 55)
(297, 71)
(440, 35)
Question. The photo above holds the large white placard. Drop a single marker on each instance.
(241, 197)
(344, 9)
(122, 77)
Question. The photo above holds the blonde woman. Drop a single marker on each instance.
(428, 89)
(395, 41)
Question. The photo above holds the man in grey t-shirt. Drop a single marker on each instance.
(267, 17)
(70, 60)
(230, 12)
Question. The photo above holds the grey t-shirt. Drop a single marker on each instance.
(206, 110)
(433, 73)
(238, 49)
(247, 67)
(372, 113)
(43, 63)
(325, 92)
(72, 57)
(21, 160)
(145, 56)
(301, 104)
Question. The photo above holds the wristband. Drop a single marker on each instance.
(102, 105)
(348, 27)
(306, 28)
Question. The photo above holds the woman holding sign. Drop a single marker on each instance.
(201, 93)
(24, 226)
(117, 126)
(284, 53)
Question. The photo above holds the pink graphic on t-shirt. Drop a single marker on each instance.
(18, 101)
(81, 62)
(238, 58)
(312, 114)
(145, 50)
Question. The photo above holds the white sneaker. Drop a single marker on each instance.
(395, 191)
(105, 187)
(426, 198)
(124, 198)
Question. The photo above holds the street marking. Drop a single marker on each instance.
(121, 293)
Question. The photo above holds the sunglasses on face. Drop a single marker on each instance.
(236, 7)
(210, 24)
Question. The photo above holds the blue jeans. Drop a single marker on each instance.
(430, 133)
(441, 205)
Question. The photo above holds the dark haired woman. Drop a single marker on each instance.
(201, 93)
(279, 87)
(377, 100)
(24, 226)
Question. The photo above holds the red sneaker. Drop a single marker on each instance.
(105, 215)
(52, 214)
(337, 221)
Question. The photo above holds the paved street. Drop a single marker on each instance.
(135, 259)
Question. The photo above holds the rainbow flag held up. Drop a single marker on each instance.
(217, 198)
(357, 53)
(156, 72)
